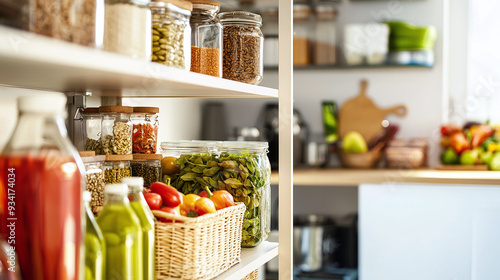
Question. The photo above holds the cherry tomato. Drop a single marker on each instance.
(154, 200)
(188, 204)
(171, 196)
(203, 194)
(222, 199)
(204, 206)
(171, 210)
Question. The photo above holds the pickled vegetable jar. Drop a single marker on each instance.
(144, 130)
(141, 209)
(94, 244)
(122, 233)
(117, 167)
(116, 130)
(148, 167)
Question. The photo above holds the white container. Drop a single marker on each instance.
(366, 43)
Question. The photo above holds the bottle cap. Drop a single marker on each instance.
(44, 102)
(119, 189)
(134, 183)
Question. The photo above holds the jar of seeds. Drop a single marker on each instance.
(116, 130)
(91, 130)
(116, 167)
(144, 130)
(94, 173)
(171, 32)
(206, 38)
(148, 167)
(243, 45)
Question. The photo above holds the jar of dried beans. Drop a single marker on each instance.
(171, 41)
(117, 167)
(206, 38)
(94, 172)
(148, 167)
(144, 130)
(243, 44)
(116, 130)
(91, 131)
(127, 28)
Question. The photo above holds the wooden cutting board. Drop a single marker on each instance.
(361, 114)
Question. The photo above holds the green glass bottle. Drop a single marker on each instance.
(94, 244)
(141, 209)
(122, 233)
(330, 123)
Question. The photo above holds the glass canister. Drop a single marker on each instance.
(127, 28)
(147, 166)
(206, 38)
(144, 130)
(91, 128)
(171, 33)
(116, 130)
(243, 45)
(94, 173)
(117, 167)
(270, 29)
(302, 33)
(325, 43)
(246, 174)
(94, 244)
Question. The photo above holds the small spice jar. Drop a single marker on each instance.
(171, 33)
(302, 33)
(116, 167)
(116, 130)
(127, 28)
(148, 167)
(144, 130)
(94, 173)
(91, 128)
(243, 45)
(325, 43)
(206, 38)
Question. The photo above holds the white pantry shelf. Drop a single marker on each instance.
(33, 61)
(251, 259)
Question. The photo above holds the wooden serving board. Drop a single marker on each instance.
(361, 114)
(463, 167)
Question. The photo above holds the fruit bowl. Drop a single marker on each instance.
(360, 160)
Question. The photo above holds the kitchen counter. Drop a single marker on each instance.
(355, 177)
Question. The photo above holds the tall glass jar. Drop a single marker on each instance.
(94, 244)
(117, 167)
(144, 130)
(206, 38)
(270, 31)
(325, 43)
(127, 28)
(94, 173)
(246, 162)
(302, 34)
(243, 46)
(91, 128)
(116, 130)
(41, 184)
(171, 32)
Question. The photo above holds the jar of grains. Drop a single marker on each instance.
(91, 130)
(148, 167)
(206, 38)
(171, 33)
(302, 34)
(116, 167)
(243, 44)
(325, 43)
(144, 130)
(94, 172)
(116, 130)
(127, 28)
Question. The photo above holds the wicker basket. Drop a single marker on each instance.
(254, 275)
(201, 247)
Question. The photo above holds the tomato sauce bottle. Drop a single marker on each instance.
(41, 215)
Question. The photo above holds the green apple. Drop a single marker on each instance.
(486, 157)
(353, 142)
(469, 157)
(449, 156)
(495, 162)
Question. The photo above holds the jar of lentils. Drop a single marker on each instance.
(117, 167)
(94, 173)
(116, 130)
(148, 167)
(171, 33)
(243, 45)
(144, 130)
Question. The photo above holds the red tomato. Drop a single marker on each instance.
(204, 206)
(222, 199)
(154, 200)
(171, 210)
(203, 194)
(171, 196)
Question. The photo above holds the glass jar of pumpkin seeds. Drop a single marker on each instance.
(171, 33)
(117, 167)
(116, 130)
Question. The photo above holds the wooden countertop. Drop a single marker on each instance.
(355, 177)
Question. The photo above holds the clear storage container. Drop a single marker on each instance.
(116, 130)
(117, 167)
(127, 28)
(243, 45)
(171, 40)
(144, 130)
(270, 30)
(148, 167)
(206, 38)
(325, 43)
(91, 128)
(302, 34)
(94, 173)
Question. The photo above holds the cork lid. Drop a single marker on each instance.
(116, 109)
(93, 159)
(148, 156)
(206, 2)
(119, 157)
(183, 4)
(86, 153)
(89, 110)
(148, 110)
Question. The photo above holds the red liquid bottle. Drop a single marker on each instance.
(41, 192)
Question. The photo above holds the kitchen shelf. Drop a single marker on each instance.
(348, 67)
(355, 177)
(251, 259)
(38, 62)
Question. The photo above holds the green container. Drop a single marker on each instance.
(406, 36)
(94, 245)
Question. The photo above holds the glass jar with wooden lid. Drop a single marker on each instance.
(116, 130)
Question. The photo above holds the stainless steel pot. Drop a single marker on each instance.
(314, 242)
